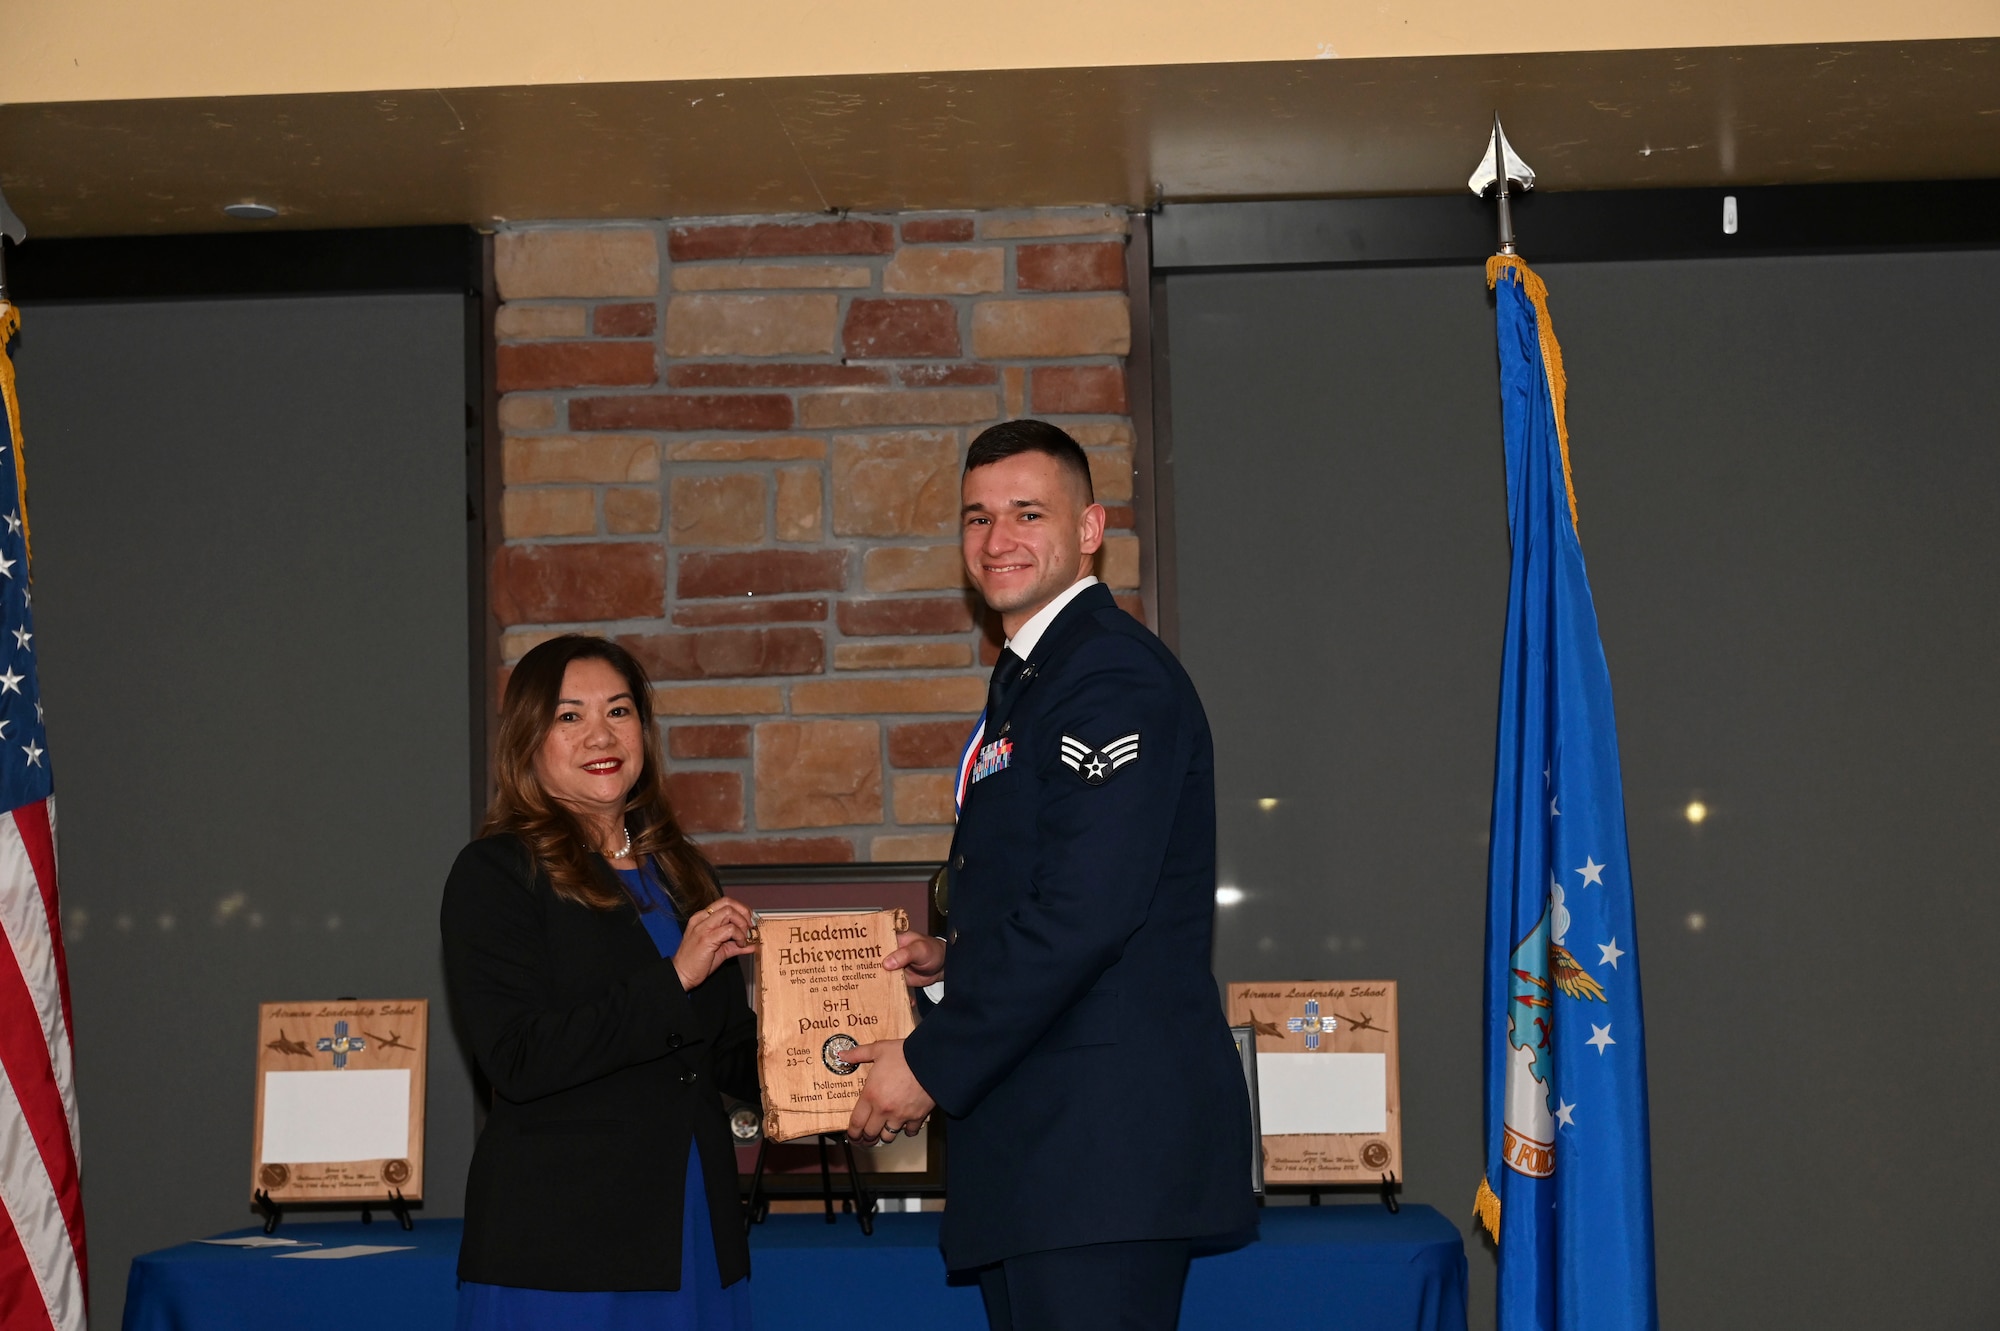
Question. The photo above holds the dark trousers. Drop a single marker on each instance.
(1097, 1287)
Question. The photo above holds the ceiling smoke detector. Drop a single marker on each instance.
(250, 212)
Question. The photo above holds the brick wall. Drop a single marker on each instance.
(735, 446)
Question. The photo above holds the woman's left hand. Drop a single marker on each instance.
(713, 935)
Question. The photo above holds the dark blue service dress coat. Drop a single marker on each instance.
(1080, 1050)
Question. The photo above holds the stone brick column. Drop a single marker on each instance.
(734, 446)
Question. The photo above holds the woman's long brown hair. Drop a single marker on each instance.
(555, 836)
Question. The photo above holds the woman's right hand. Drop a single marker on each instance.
(712, 936)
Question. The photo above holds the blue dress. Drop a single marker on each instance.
(700, 1304)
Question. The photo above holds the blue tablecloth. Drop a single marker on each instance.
(1329, 1268)
(196, 1287)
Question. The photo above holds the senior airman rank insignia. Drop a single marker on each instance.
(1095, 766)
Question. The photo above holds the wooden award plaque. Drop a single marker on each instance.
(821, 989)
(1329, 1092)
(340, 1101)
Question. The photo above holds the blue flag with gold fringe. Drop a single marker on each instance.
(1568, 1189)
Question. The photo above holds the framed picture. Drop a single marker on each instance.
(909, 1166)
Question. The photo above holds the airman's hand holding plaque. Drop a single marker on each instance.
(822, 992)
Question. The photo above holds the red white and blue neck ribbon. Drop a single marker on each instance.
(968, 758)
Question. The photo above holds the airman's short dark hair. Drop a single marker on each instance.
(1010, 438)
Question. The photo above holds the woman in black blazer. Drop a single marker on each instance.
(590, 962)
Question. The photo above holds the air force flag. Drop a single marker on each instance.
(1568, 1188)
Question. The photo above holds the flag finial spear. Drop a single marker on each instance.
(1502, 169)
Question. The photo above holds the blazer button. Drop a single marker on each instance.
(673, 1042)
(951, 936)
(958, 863)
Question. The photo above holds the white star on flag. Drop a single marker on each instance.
(21, 638)
(1592, 872)
(1599, 1037)
(1608, 954)
(6, 566)
(34, 754)
(14, 523)
(11, 682)
(1563, 1112)
(1554, 812)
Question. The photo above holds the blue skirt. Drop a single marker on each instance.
(700, 1304)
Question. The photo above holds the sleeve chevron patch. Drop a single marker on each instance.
(1096, 766)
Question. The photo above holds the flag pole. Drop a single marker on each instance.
(1566, 1192)
(1500, 170)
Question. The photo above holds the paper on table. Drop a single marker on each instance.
(1323, 1093)
(351, 1250)
(258, 1241)
(326, 1117)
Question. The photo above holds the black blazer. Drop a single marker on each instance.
(602, 1068)
(1080, 1049)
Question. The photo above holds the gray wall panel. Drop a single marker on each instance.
(1787, 473)
(249, 526)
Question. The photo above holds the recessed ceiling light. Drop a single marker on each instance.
(250, 212)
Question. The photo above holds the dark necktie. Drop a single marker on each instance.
(1005, 671)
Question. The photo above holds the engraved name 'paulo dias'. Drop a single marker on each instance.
(836, 1009)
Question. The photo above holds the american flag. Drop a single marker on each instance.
(42, 1263)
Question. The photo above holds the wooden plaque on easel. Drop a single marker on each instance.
(1329, 1090)
(340, 1101)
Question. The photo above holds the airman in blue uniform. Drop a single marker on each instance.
(1099, 1122)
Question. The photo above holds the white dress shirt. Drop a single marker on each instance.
(1022, 644)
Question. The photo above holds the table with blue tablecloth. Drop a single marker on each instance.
(1330, 1268)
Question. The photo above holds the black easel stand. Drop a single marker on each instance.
(397, 1207)
(1387, 1194)
(864, 1201)
(274, 1214)
(757, 1206)
(270, 1210)
(825, 1179)
(859, 1201)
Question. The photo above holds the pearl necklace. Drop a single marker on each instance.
(624, 850)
